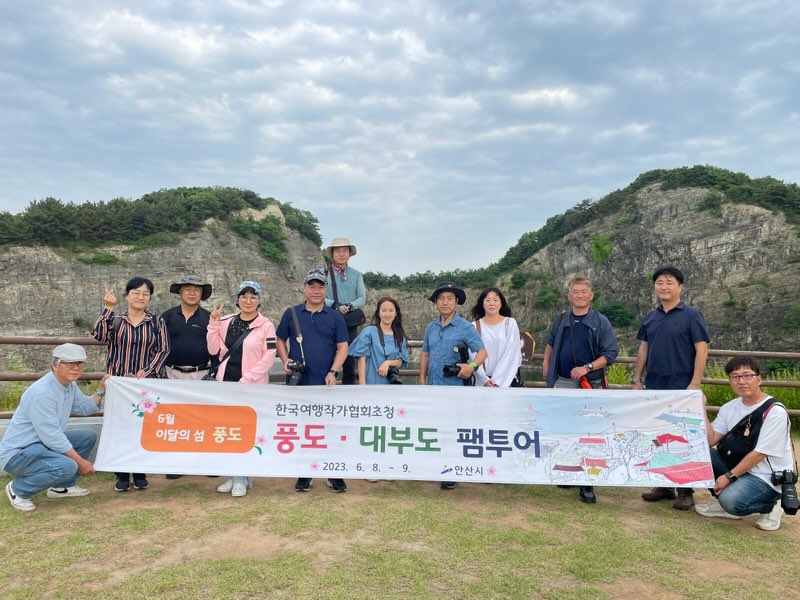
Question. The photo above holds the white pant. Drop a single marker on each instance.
(175, 374)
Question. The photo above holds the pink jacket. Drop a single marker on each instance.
(258, 349)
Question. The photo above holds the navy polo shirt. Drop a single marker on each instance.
(187, 338)
(670, 338)
(321, 330)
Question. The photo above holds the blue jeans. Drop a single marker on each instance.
(745, 496)
(36, 467)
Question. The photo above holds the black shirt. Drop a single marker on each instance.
(187, 338)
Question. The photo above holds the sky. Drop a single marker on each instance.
(432, 133)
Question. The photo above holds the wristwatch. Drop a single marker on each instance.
(335, 373)
(589, 366)
(731, 476)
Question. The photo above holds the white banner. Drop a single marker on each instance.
(517, 435)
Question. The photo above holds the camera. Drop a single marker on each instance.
(393, 375)
(298, 367)
(453, 370)
(787, 480)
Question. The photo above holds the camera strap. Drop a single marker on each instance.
(298, 333)
(789, 433)
(236, 345)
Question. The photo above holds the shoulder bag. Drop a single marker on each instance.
(355, 316)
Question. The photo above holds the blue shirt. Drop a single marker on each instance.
(321, 330)
(41, 416)
(368, 344)
(670, 338)
(441, 344)
(349, 291)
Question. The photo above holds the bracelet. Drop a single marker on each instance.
(473, 364)
(99, 394)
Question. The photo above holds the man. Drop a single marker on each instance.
(673, 351)
(36, 449)
(322, 346)
(350, 294)
(445, 344)
(745, 488)
(581, 345)
(187, 324)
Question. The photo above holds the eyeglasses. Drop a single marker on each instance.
(139, 294)
(73, 365)
(742, 376)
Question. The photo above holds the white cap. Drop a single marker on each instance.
(70, 353)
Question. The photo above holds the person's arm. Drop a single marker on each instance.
(750, 460)
(361, 363)
(423, 367)
(83, 405)
(507, 364)
(548, 351)
(641, 363)
(213, 339)
(582, 370)
(162, 349)
(361, 293)
(338, 361)
(283, 354)
(466, 369)
(701, 354)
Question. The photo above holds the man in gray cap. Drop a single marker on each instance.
(187, 324)
(36, 449)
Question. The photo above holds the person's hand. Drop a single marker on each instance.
(216, 310)
(465, 370)
(85, 467)
(140, 374)
(638, 385)
(721, 483)
(384, 368)
(109, 299)
(344, 308)
(693, 386)
(489, 383)
(101, 387)
(286, 368)
(330, 379)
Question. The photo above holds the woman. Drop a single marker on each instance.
(246, 361)
(138, 346)
(500, 334)
(382, 346)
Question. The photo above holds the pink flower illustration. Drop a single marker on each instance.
(147, 406)
(261, 439)
(144, 393)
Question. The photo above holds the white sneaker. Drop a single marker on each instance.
(714, 509)
(240, 485)
(67, 492)
(771, 521)
(17, 502)
(226, 486)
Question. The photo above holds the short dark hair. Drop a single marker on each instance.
(737, 362)
(478, 312)
(668, 270)
(137, 282)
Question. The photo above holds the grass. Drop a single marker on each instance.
(403, 539)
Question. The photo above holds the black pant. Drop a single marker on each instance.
(348, 368)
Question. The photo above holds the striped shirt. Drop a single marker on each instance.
(132, 348)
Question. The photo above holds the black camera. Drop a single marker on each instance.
(787, 480)
(393, 375)
(298, 367)
(453, 370)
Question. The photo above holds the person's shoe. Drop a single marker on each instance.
(337, 485)
(174, 476)
(67, 492)
(771, 521)
(714, 509)
(239, 487)
(565, 487)
(685, 499)
(303, 484)
(17, 502)
(586, 494)
(373, 480)
(226, 486)
(140, 483)
(448, 485)
(658, 493)
(122, 484)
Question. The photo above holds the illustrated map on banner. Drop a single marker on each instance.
(439, 433)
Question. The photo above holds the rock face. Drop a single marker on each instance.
(48, 292)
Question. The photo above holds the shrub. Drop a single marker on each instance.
(619, 313)
(600, 247)
(99, 258)
(519, 279)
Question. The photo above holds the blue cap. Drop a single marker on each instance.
(249, 284)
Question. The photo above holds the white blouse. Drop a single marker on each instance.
(504, 352)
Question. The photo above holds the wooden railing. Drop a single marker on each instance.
(536, 358)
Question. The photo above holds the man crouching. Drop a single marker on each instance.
(749, 440)
(36, 449)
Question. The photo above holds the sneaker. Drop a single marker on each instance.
(303, 484)
(173, 476)
(240, 486)
(448, 485)
(337, 485)
(140, 483)
(226, 486)
(122, 484)
(658, 493)
(67, 492)
(17, 502)
(771, 521)
(373, 480)
(714, 509)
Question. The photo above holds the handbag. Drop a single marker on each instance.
(212, 372)
(743, 437)
(355, 316)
